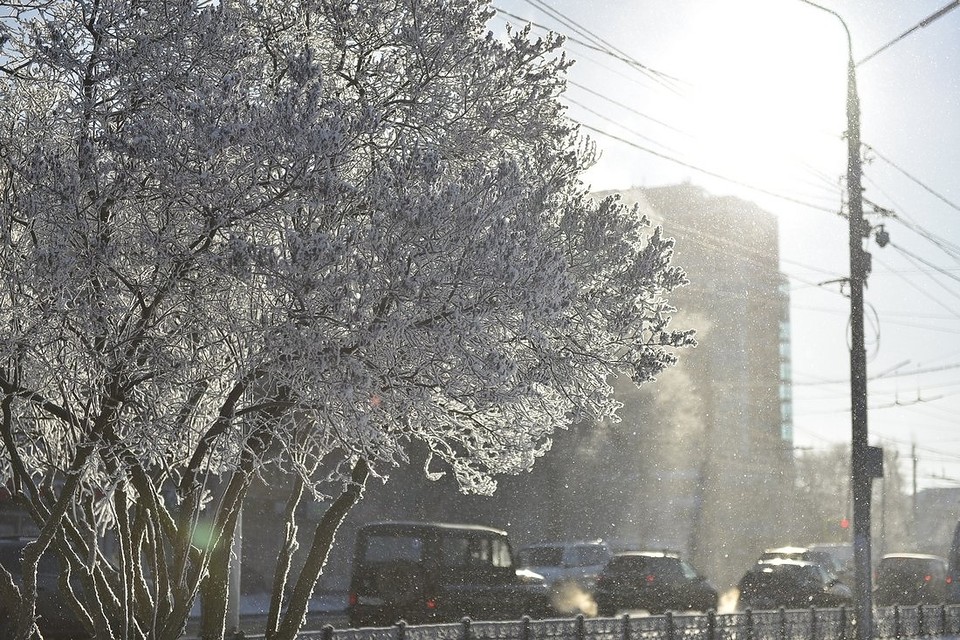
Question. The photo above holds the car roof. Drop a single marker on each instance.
(571, 543)
(647, 554)
(787, 550)
(411, 525)
(782, 562)
(912, 556)
(18, 540)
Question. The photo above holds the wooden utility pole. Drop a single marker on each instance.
(866, 462)
(860, 459)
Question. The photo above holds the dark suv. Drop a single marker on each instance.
(911, 579)
(652, 580)
(792, 584)
(55, 619)
(424, 572)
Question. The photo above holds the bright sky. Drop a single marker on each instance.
(755, 90)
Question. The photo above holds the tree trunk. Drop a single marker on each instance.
(285, 557)
(323, 537)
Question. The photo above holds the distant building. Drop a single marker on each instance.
(724, 414)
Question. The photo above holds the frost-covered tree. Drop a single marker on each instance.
(295, 235)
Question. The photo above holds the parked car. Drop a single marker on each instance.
(910, 579)
(806, 554)
(566, 563)
(424, 572)
(652, 580)
(55, 619)
(792, 584)
(841, 553)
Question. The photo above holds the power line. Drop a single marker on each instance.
(939, 13)
(663, 78)
(936, 268)
(916, 180)
(946, 246)
(893, 374)
(900, 215)
(707, 172)
(582, 43)
(597, 94)
(949, 248)
(876, 407)
(914, 285)
(613, 122)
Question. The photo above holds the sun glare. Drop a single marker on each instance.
(767, 92)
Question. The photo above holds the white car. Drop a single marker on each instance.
(567, 563)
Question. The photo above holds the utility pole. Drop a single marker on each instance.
(860, 475)
(913, 503)
(866, 462)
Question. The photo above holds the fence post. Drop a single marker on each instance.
(327, 633)
(625, 630)
(896, 621)
(750, 624)
(670, 629)
(581, 630)
(843, 623)
(711, 625)
(921, 627)
(813, 623)
(783, 623)
(525, 628)
(943, 619)
(401, 629)
(465, 629)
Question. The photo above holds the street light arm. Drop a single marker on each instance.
(842, 22)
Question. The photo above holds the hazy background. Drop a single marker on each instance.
(747, 97)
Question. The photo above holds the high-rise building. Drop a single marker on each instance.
(718, 426)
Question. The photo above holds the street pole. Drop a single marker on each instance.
(860, 475)
(863, 466)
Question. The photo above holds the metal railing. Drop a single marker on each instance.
(795, 624)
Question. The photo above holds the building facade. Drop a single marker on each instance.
(722, 418)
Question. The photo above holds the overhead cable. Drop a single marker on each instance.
(708, 172)
(920, 289)
(663, 78)
(612, 121)
(624, 106)
(936, 268)
(939, 13)
(914, 179)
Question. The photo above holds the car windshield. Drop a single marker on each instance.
(666, 568)
(541, 556)
(591, 555)
(389, 548)
(785, 575)
(784, 555)
(906, 569)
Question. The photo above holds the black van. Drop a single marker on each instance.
(424, 572)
